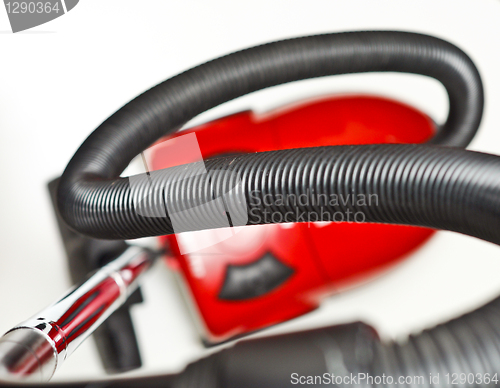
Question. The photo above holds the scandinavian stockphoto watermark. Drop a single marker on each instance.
(220, 200)
(333, 207)
(27, 14)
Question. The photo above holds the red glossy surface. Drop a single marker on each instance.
(324, 256)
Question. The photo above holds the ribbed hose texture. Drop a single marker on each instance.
(431, 186)
(464, 352)
(93, 201)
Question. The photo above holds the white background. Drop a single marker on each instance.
(60, 80)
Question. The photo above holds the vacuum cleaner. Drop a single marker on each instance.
(274, 176)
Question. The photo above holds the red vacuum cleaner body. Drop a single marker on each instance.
(267, 274)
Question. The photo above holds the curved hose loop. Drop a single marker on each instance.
(426, 185)
(94, 201)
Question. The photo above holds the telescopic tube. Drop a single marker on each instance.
(36, 348)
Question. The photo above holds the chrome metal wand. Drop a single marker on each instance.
(36, 348)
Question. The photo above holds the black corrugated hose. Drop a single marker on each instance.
(426, 185)
(95, 202)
